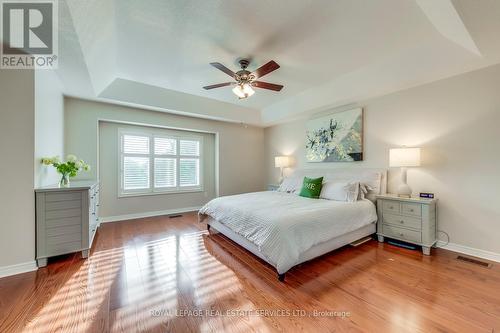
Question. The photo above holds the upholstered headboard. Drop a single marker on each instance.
(366, 175)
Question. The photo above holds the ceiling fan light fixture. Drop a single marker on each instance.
(247, 89)
(238, 91)
(243, 90)
(246, 80)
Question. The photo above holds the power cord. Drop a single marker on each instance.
(447, 238)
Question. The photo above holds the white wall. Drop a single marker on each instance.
(17, 142)
(49, 125)
(241, 148)
(109, 159)
(456, 122)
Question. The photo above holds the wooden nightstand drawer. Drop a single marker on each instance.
(391, 206)
(411, 209)
(403, 221)
(401, 233)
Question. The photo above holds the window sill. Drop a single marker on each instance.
(142, 194)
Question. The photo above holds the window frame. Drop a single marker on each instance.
(151, 190)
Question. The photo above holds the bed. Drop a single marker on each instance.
(285, 229)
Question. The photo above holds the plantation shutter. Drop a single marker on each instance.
(165, 165)
(165, 146)
(165, 172)
(156, 162)
(135, 167)
(189, 148)
(189, 168)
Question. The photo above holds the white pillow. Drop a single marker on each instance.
(290, 185)
(363, 190)
(340, 191)
(373, 182)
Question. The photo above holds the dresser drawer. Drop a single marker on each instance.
(55, 223)
(66, 230)
(403, 221)
(62, 248)
(61, 239)
(411, 209)
(51, 197)
(401, 233)
(62, 214)
(63, 205)
(391, 206)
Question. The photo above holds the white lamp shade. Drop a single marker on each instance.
(404, 157)
(281, 161)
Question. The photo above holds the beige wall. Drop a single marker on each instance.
(456, 122)
(109, 159)
(241, 148)
(49, 125)
(17, 211)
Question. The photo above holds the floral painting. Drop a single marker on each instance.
(336, 138)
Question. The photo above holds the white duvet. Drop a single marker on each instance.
(283, 225)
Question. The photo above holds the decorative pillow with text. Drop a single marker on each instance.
(311, 187)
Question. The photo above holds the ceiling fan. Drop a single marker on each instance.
(244, 80)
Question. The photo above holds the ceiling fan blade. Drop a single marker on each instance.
(266, 69)
(223, 68)
(265, 85)
(213, 86)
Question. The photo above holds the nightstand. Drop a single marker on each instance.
(273, 187)
(413, 220)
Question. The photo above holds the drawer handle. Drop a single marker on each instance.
(392, 207)
(401, 234)
(402, 222)
(411, 210)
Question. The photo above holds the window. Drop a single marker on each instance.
(154, 162)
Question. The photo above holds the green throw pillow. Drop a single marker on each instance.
(311, 187)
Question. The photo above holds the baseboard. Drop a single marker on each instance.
(147, 214)
(18, 269)
(469, 251)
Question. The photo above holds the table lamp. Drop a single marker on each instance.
(281, 162)
(404, 158)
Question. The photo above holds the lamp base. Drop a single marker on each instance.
(404, 191)
(281, 176)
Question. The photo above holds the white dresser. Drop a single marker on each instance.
(66, 219)
(413, 220)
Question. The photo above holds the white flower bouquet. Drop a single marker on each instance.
(68, 169)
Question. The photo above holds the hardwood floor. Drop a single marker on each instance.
(169, 275)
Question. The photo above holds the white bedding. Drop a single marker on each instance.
(284, 225)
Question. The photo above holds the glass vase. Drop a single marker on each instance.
(64, 182)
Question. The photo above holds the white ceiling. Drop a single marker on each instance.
(157, 53)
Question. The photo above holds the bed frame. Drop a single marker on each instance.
(312, 253)
(322, 248)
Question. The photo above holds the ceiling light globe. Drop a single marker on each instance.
(238, 91)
